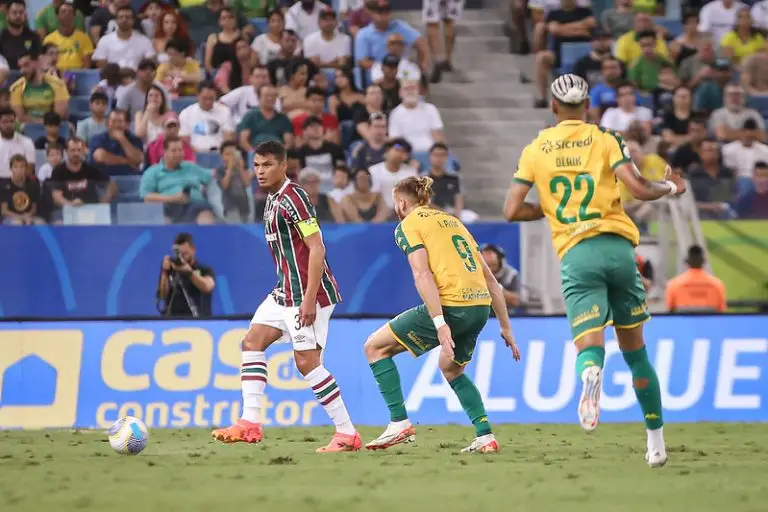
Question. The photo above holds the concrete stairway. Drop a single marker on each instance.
(486, 107)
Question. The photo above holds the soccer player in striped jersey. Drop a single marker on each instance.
(299, 308)
(458, 290)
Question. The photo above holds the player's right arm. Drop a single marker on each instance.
(637, 185)
(515, 207)
(499, 305)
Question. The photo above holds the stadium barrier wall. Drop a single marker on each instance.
(186, 374)
(59, 272)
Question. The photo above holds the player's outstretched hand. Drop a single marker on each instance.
(446, 340)
(676, 179)
(509, 339)
(307, 313)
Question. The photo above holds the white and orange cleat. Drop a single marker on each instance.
(589, 404)
(398, 432)
(483, 444)
(241, 432)
(342, 443)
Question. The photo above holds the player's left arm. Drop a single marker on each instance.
(515, 207)
(313, 239)
(499, 305)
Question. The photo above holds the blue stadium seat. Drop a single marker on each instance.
(362, 77)
(209, 160)
(13, 75)
(452, 166)
(40, 158)
(347, 132)
(87, 215)
(351, 150)
(80, 104)
(674, 27)
(128, 188)
(260, 24)
(570, 53)
(759, 103)
(85, 81)
(140, 214)
(330, 74)
(34, 131)
(183, 102)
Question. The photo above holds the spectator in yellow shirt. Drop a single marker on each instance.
(75, 47)
(180, 74)
(651, 167)
(36, 93)
(628, 49)
(743, 40)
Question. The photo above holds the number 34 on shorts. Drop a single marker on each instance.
(287, 320)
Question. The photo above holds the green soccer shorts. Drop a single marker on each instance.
(602, 285)
(415, 330)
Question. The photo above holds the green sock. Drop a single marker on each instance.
(646, 385)
(590, 356)
(472, 403)
(388, 378)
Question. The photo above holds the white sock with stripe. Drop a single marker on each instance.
(328, 394)
(253, 379)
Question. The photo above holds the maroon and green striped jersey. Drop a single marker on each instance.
(283, 213)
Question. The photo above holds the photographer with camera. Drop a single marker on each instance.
(186, 285)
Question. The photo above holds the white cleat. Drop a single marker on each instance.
(483, 444)
(656, 458)
(589, 404)
(395, 433)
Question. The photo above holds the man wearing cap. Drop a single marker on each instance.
(303, 17)
(265, 123)
(406, 70)
(371, 41)
(156, 149)
(389, 83)
(328, 48)
(590, 66)
(75, 47)
(133, 98)
(507, 275)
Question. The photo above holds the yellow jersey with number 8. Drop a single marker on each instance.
(453, 254)
(572, 167)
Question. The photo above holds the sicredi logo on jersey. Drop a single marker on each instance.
(548, 146)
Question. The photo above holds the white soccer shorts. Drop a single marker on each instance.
(434, 11)
(286, 319)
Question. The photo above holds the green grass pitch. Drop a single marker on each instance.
(542, 468)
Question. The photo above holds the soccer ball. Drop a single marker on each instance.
(128, 436)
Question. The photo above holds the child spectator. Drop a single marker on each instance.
(21, 196)
(341, 184)
(662, 95)
(55, 155)
(52, 124)
(645, 70)
(97, 123)
(234, 179)
(110, 81)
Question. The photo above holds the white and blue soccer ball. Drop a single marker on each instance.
(128, 436)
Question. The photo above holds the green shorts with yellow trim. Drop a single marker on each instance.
(415, 330)
(602, 285)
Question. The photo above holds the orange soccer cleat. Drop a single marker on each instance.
(342, 443)
(241, 432)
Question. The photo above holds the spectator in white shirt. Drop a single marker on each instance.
(759, 14)
(267, 45)
(207, 123)
(415, 120)
(406, 70)
(741, 155)
(328, 48)
(304, 17)
(245, 98)
(621, 117)
(124, 47)
(12, 143)
(719, 17)
(394, 168)
(726, 122)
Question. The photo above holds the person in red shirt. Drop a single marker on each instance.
(156, 148)
(316, 105)
(696, 289)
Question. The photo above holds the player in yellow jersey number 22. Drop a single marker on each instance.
(458, 290)
(574, 167)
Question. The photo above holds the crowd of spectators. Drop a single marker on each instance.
(150, 102)
(692, 93)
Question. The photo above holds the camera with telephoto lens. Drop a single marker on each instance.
(176, 256)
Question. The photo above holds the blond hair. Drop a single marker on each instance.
(418, 188)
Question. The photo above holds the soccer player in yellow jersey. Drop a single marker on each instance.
(458, 290)
(576, 167)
